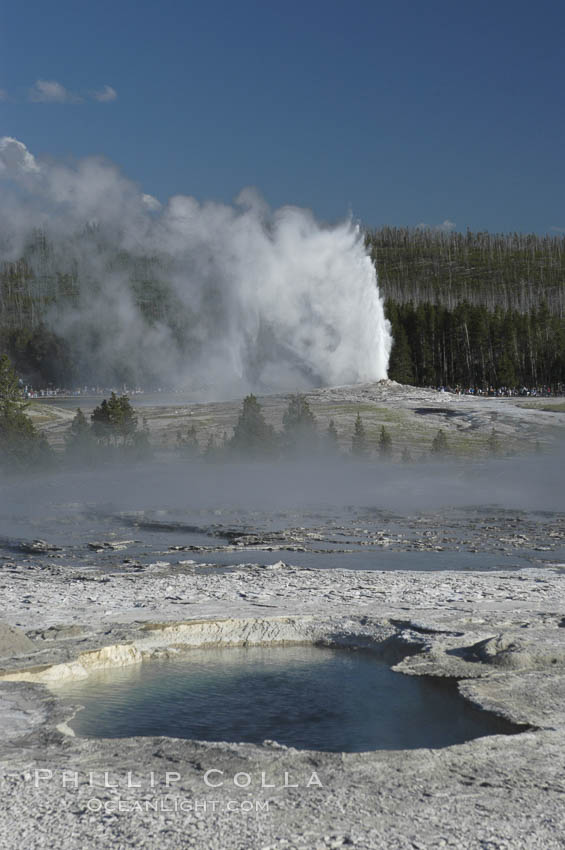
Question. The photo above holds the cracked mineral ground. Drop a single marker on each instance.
(454, 572)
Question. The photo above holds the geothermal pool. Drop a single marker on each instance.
(300, 696)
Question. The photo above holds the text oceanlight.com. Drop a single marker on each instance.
(169, 804)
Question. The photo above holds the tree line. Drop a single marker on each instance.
(512, 271)
(113, 434)
(470, 346)
(473, 309)
(255, 439)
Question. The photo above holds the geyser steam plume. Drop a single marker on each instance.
(231, 298)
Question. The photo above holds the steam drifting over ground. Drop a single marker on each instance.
(220, 298)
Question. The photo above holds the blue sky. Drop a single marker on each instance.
(401, 113)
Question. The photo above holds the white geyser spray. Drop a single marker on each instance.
(221, 298)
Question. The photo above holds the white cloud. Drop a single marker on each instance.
(106, 94)
(50, 91)
(150, 203)
(15, 158)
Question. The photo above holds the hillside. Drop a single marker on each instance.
(411, 415)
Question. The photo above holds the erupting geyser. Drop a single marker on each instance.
(231, 298)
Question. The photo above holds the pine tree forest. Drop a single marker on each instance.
(473, 310)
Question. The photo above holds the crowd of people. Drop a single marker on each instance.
(508, 392)
(496, 392)
(30, 392)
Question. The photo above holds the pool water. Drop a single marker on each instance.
(301, 696)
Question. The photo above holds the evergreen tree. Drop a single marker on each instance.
(359, 445)
(141, 441)
(299, 424)
(439, 444)
(79, 428)
(211, 450)
(332, 443)
(252, 435)
(21, 446)
(385, 444)
(505, 373)
(114, 421)
(11, 396)
(189, 443)
(80, 443)
(100, 418)
(122, 418)
(400, 365)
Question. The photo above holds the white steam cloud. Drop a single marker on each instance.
(202, 295)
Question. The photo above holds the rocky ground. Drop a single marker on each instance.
(500, 633)
(114, 595)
